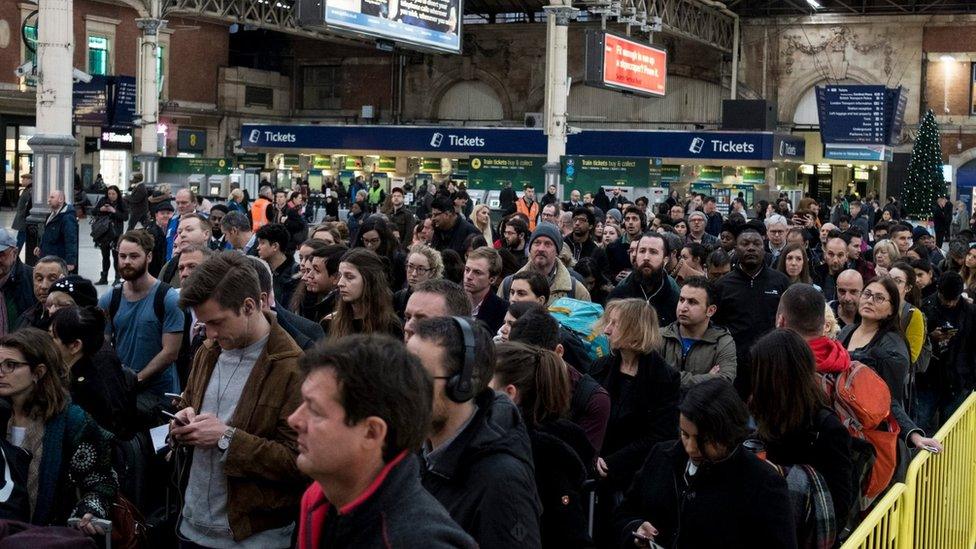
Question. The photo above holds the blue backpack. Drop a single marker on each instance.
(579, 317)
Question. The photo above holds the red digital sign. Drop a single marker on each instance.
(621, 63)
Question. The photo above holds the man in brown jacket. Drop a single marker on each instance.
(243, 487)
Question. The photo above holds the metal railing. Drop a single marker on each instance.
(936, 505)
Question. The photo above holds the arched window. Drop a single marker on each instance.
(470, 100)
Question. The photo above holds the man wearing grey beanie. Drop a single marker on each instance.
(544, 246)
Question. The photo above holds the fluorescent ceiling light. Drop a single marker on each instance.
(947, 59)
(814, 4)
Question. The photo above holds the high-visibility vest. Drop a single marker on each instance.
(259, 213)
(532, 212)
(375, 195)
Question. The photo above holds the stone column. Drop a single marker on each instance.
(147, 86)
(558, 16)
(53, 145)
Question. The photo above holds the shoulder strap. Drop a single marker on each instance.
(113, 307)
(159, 303)
(581, 396)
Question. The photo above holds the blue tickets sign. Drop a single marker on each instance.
(438, 140)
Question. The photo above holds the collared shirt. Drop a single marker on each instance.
(432, 454)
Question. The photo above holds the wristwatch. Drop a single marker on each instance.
(224, 442)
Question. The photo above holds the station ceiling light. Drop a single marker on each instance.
(814, 4)
(947, 59)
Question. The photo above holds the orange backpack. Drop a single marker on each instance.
(862, 401)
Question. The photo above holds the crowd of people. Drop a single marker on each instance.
(423, 376)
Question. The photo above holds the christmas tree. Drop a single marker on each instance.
(925, 183)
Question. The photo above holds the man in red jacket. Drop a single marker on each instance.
(366, 406)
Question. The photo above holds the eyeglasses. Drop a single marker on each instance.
(371, 241)
(417, 269)
(8, 366)
(878, 298)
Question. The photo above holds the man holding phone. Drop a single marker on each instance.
(950, 376)
(243, 487)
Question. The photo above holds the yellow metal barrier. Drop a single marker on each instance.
(940, 490)
(936, 506)
(882, 527)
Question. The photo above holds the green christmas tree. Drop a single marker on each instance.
(925, 183)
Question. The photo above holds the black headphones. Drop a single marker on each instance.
(459, 387)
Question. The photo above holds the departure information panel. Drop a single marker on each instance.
(860, 114)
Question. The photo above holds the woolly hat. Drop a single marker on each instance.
(79, 288)
(549, 231)
(615, 213)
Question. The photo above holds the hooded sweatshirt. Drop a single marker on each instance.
(830, 354)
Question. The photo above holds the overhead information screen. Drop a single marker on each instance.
(621, 63)
(430, 24)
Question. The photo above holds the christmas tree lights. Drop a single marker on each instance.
(925, 183)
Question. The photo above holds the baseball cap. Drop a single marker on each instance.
(7, 238)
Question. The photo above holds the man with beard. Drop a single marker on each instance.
(849, 286)
(580, 241)
(544, 246)
(835, 261)
(749, 297)
(697, 221)
(401, 218)
(618, 257)
(515, 234)
(649, 281)
(145, 320)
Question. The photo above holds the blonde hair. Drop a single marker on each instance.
(830, 323)
(640, 332)
(889, 247)
(236, 195)
(433, 258)
(486, 230)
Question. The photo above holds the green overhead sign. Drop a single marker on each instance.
(206, 166)
(493, 172)
(587, 174)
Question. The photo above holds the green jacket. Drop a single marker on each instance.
(716, 347)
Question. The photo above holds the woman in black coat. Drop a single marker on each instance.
(97, 380)
(793, 418)
(705, 490)
(113, 206)
(644, 390)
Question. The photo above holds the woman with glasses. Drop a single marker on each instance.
(376, 235)
(876, 340)
(365, 304)
(423, 264)
(70, 472)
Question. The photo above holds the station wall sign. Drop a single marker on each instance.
(493, 172)
(429, 24)
(191, 141)
(618, 62)
(438, 140)
(118, 140)
(877, 153)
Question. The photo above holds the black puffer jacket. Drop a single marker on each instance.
(737, 502)
(485, 478)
